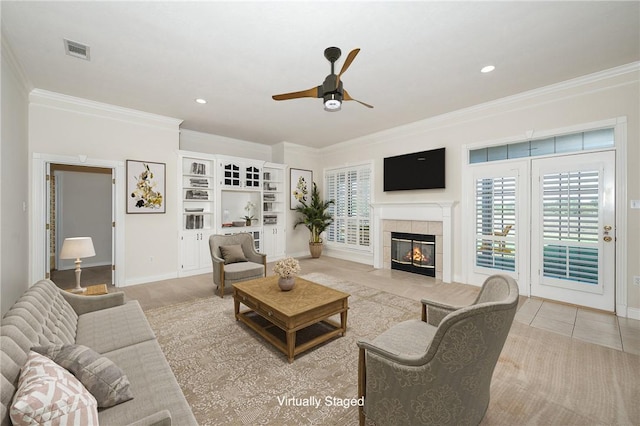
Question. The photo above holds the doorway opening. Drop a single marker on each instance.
(80, 205)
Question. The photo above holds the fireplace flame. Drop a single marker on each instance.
(416, 256)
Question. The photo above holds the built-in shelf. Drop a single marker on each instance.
(215, 193)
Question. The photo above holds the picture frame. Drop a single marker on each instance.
(146, 187)
(300, 186)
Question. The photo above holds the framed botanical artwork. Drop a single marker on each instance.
(146, 183)
(301, 183)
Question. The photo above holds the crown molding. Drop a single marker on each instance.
(7, 54)
(86, 106)
(290, 147)
(385, 136)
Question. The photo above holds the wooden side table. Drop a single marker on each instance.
(93, 290)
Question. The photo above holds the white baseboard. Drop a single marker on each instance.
(299, 254)
(144, 280)
(365, 258)
(352, 256)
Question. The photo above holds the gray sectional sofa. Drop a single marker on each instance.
(118, 330)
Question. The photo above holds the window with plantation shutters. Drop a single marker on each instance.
(350, 189)
(495, 203)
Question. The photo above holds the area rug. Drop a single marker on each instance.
(232, 376)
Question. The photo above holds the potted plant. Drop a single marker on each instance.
(315, 217)
(249, 216)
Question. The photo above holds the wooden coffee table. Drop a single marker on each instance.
(282, 316)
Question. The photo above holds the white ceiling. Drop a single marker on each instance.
(417, 59)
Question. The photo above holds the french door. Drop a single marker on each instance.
(573, 229)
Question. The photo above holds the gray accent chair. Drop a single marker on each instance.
(225, 274)
(437, 371)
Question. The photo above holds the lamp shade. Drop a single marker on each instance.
(77, 247)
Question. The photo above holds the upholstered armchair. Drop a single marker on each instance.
(437, 371)
(235, 259)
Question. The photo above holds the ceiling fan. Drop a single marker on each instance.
(331, 89)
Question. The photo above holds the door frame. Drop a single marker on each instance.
(619, 125)
(39, 190)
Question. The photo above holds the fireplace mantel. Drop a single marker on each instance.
(436, 211)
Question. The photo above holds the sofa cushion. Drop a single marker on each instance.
(41, 316)
(113, 328)
(44, 315)
(104, 379)
(153, 385)
(49, 394)
(232, 254)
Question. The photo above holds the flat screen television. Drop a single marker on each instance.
(418, 170)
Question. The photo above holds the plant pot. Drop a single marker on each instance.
(315, 249)
(248, 222)
(286, 283)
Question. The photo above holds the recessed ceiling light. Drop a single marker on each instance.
(487, 69)
(201, 101)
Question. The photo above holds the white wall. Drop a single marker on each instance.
(14, 254)
(67, 126)
(607, 95)
(84, 210)
(299, 157)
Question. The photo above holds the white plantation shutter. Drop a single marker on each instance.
(570, 228)
(496, 223)
(350, 188)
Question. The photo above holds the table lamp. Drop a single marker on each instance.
(77, 248)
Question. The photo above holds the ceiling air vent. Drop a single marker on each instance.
(78, 50)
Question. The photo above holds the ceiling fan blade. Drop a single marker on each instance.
(310, 93)
(347, 97)
(350, 57)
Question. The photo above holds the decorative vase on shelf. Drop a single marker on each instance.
(248, 222)
(286, 283)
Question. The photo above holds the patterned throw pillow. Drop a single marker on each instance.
(49, 394)
(232, 254)
(105, 380)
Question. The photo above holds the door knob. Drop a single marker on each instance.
(607, 238)
(607, 228)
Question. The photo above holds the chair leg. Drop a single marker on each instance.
(362, 382)
(221, 287)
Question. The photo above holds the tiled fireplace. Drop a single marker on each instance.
(415, 218)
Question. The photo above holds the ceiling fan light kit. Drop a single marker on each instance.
(331, 90)
(332, 102)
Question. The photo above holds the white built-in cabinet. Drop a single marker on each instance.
(217, 193)
(197, 212)
(273, 210)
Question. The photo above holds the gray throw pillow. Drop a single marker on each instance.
(232, 254)
(106, 381)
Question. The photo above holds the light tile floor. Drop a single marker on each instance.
(600, 328)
